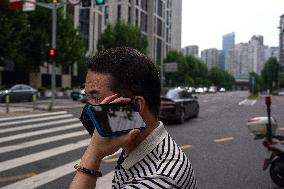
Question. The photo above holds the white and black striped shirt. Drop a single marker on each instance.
(157, 162)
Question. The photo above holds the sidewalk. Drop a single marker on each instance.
(39, 106)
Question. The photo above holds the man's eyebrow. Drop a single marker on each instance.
(93, 91)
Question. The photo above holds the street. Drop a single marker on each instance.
(39, 150)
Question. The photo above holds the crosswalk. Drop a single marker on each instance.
(28, 142)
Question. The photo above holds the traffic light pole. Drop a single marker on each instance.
(53, 6)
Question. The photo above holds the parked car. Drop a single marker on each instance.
(199, 90)
(19, 92)
(79, 95)
(178, 104)
(222, 90)
(212, 89)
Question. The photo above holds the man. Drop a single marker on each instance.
(150, 158)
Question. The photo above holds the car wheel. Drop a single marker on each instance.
(197, 113)
(181, 117)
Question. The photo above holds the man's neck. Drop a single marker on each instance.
(152, 124)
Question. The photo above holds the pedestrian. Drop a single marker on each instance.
(150, 157)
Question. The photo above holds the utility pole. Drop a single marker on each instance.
(53, 6)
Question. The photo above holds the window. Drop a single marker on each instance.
(118, 12)
(129, 15)
(106, 14)
(159, 27)
(143, 21)
(144, 4)
(159, 49)
(160, 8)
(136, 17)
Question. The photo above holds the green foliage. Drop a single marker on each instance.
(221, 78)
(270, 74)
(254, 90)
(281, 79)
(25, 39)
(122, 34)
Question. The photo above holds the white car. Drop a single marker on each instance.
(212, 89)
(199, 90)
(222, 90)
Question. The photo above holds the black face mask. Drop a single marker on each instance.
(86, 121)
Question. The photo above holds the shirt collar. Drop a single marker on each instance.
(146, 146)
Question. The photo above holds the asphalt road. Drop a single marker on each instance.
(218, 144)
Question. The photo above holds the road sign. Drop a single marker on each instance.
(170, 67)
(29, 5)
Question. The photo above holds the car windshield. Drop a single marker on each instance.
(172, 94)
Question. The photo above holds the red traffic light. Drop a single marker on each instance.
(51, 52)
(267, 99)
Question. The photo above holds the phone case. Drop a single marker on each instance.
(93, 119)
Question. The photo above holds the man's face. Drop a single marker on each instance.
(97, 86)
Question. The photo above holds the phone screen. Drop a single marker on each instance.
(117, 118)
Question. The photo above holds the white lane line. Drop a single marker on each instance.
(34, 133)
(38, 125)
(253, 102)
(242, 102)
(41, 141)
(10, 164)
(35, 120)
(53, 174)
(220, 140)
(31, 116)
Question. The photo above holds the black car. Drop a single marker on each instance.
(178, 104)
(19, 92)
(79, 95)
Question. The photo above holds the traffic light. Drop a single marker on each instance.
(100, 2)
(87, 3)
(51, 52)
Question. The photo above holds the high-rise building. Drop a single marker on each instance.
(221, 62)
(159, 20)
(210, 57)
(228, 43)
(248, 57)
(281, 41)
(190, 50)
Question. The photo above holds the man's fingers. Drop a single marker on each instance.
(109, 99)
(121, 100)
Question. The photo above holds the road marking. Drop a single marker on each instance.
(247, 102)
(114, 154)
(18, 177)
(41, 141)
(31, 116)
(37, 125)
(35, 120)
(44, 131)
(223, 139)
(16, 162)
(53, 174)
(185, 146)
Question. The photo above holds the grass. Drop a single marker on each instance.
(253, 97)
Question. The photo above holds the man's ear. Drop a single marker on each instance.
(140, 103)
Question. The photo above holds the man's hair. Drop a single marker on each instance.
(133, 74)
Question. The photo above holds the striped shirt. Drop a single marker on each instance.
(157, 162)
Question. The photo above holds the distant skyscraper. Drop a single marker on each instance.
(191, 50)
(281, 41)
(228, 43)
(210, 57)
(221, 58)
(248, 57)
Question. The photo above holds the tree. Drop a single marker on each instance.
(221, 78)
(281, 79)
(122, 34)
(258, 83)
(13, 24)
(270, 74)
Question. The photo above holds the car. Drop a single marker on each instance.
(79, 95)
(178, 105)
(199, 90)
(212, 89)
(19, 92)
(222, 90)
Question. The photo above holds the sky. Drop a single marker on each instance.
(204, 22)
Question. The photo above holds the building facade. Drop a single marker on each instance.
(191, 50)
(227, 43)
(248, 57)
(210, 57)
(159, 20)
(281, 41)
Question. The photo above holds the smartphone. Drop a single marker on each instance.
(115, 119)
